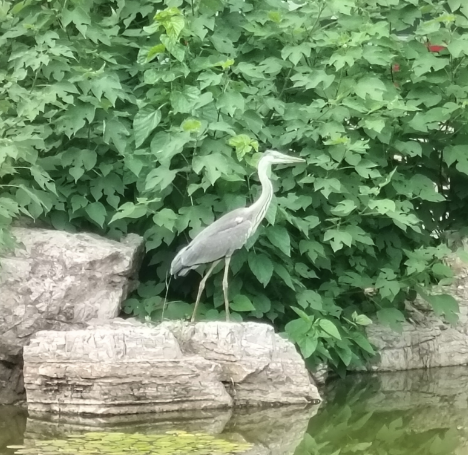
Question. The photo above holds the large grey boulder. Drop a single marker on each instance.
(119, 368)
(261, 366)
(56, 280)
(128, 367)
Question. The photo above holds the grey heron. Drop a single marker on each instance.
(230, 232)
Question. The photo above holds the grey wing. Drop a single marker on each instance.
(219, 239)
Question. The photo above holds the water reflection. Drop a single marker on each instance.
(275, 431)
(411, 413)
(416, 412)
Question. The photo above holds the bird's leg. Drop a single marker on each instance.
(201, 287)
(225, 286)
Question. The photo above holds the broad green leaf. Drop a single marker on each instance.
(78, 202)
(262, 303)
(88, 158)
(382, 206)
(154, 50)
(410, 148)
(371, 87)
(424, 187)
(134, 164)
(444, 304)
(346, 355)
(230, 101)
(338, 238)
(298, 328)
(241, 303)
(165, 146)
(174, 26)
(97, 212)
(304, 271)
(295, 53)
(130, 210)
(359, 235)
(344, 208)
(209, 78)
(191, 124)
(387, 285)
(308, 345)
(145, 121)
(165, 217)
(243, 145)
(457, 47)
(185, 100)
(115, 133)
(160, 178)
(391, 317)
(215, 166)
(453, 153)
(427, 62)
(221, 126)
(79, 17)
(442, 270)
(312, 79)
(274, 16)
(310, 299)
(362, 319)
(327, 186)
(281, 271)
(75, 118)
(279, 237)
(329, 327)
(261, 266)
(302, 314)
(363, 343)
(250, 70)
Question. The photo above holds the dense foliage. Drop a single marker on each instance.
(147, 116)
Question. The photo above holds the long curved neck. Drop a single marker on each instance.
(260, 206)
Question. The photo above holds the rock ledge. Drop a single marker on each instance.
(127, 367)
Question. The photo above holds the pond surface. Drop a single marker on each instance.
(418, 412)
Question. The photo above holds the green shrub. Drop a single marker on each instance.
(147, 116)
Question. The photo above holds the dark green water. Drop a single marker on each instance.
(419, 412)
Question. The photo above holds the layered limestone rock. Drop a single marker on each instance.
(117, 369)
(57, 280)
(129, 367)
(261, 366)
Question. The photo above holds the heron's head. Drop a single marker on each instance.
(275, 157)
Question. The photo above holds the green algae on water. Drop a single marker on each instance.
(101, 443)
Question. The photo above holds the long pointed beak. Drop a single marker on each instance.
(294, 159)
